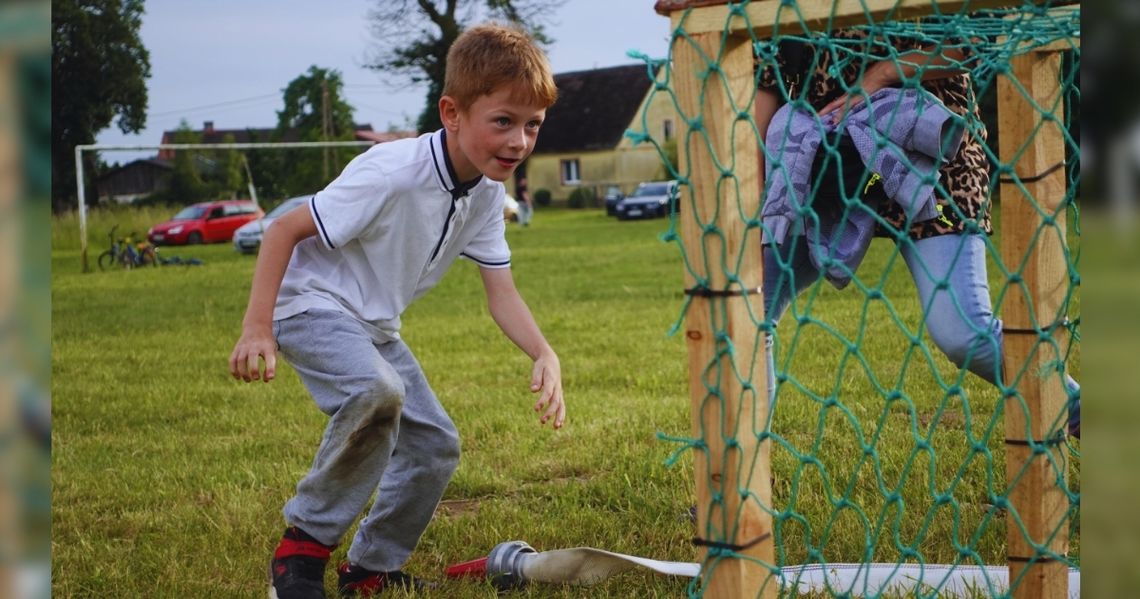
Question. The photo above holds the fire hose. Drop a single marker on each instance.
(513, 564)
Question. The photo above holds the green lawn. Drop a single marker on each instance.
(169, 476)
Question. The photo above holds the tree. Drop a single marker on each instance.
(200, 175)
(315, 109)
(229, 177)
(268, 168)
(413, 36)
(186, 184)
(99, 71)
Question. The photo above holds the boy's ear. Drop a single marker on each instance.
(449, 113)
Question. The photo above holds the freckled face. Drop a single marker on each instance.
(492, 136)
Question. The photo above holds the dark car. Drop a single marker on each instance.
(206, 222)
(648, 200)
(612, 197)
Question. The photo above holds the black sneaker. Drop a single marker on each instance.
(354, 581)
(297, 570)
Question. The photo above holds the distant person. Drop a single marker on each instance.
(526, 205)
(942, 226)
(328, 290)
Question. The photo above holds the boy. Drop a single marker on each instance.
(331, 281)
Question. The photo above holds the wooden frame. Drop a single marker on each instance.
(710, 16)
(713, 66)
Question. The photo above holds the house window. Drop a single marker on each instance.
(570, 172)
(667, 129)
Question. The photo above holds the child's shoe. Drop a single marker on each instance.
(355, 581)
(1075, 416)
(297, 570)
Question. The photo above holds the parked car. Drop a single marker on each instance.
(612, 196)
(648, 200)
(205, 222)
(247, 239)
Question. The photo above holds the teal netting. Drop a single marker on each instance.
(884, 450)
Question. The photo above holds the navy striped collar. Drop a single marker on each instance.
(444, 171)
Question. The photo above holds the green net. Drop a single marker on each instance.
(887, 427)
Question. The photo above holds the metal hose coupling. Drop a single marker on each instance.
(505, 564)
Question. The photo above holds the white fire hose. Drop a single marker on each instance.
(512, 564)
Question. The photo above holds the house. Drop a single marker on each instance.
(582, 142)
(135, 180)
(210, 135)
(129, 182)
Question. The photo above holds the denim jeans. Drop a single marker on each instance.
(949, 273)
(526, 212)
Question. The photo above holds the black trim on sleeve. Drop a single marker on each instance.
(320, 223)
(484, 262)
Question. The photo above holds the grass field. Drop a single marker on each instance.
(169, 476)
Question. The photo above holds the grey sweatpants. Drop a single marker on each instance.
(386, 429)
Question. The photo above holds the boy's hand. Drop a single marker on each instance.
(245, 361)
(546, 380)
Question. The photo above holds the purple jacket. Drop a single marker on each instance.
(917, 134)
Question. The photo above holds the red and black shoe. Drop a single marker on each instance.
(354, 581)
(298, 567)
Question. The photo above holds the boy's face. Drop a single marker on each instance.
(492, 136)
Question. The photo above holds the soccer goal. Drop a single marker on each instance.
(282, 156)
(877, 453)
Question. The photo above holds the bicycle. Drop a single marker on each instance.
(126, 254)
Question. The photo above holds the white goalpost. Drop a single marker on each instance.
(80, 149)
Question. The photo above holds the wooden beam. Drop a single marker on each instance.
(1061, 45)
(763, 16)
(727, 366)
(1033, 246)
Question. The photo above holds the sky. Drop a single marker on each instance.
(227, 61)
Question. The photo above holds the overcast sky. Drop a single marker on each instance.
(227, 61)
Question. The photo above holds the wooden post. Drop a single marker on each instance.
(1032, 246)
(727, 368)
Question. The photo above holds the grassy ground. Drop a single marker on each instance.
(169, 476)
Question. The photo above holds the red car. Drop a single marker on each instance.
(206, 222)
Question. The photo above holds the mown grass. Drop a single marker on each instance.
(169, 476)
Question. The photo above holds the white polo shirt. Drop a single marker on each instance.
(388, 228)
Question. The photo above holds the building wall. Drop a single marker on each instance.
(657, 107)
(545, 171)
(132, 182)
(625, 166)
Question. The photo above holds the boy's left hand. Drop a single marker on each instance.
(546, 380)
